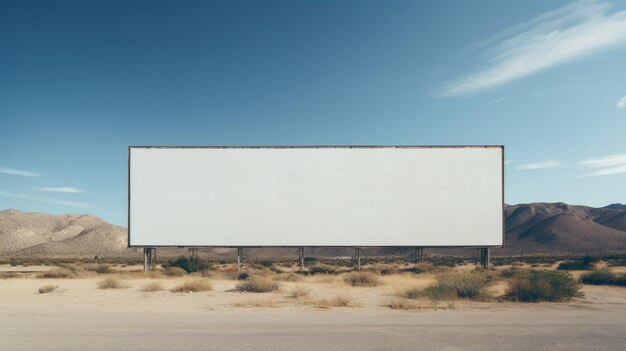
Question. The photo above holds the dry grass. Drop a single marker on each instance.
(362, 279)
(412, 292)
(257, 285)
(174, 272)
(257, 303)
(112, 283)
(152, 287)
(59, 273)
(47, 288)
(288, 277)
(194, 286)
(403, 304)
(8, 275)
(299, 291)
(337, 301)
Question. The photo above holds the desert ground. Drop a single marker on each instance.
(315, 312)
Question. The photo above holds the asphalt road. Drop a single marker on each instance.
(533, 327)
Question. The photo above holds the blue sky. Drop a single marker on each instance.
(82, 80)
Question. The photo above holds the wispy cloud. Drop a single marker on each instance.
(497, 101)
(539, 165)
(577, 30)
(621, 103)
(64, 189)
(47, 200)
(608, 165)
(18, 172)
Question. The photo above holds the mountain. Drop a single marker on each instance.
(531, 228)
(42, 234)
(617, 207)
(559, 227)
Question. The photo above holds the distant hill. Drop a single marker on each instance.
(531, 228)
(617, 207)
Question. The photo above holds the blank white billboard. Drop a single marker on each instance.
(316, 196)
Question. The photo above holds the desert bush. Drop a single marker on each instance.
(152, 287)
(424, 267)
(7, 275)
(509, 272)
(242, 275)
(579, 264)
(194, 286)
(337, 301)
(300, 291)
(542, 285)
(47, 288)
(189, 264)
(57, 274)
(322, 269)
(362, 279)
(174, 272)
(288, 277)
(266, 263)
(604, 277)
(411, 292)
(257, 285)
(112, 283)
(98, 268)
(403, 304)
(464, 285)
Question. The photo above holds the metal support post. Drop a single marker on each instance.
(358, 258)
(484, 257)
(193, 252)
(149, 258)
(419, 253)
(239, 254)
(301, 258)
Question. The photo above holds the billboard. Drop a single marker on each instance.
(425, 196)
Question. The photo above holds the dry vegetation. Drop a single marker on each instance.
(341, 300)
(299, 291)
(194, 286)
(362, 279)
(112, 283)
(257, 285)
(152, 287)
(47, 289)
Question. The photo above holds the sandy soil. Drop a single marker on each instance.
(80, 316)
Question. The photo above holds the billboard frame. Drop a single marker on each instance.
(500, 146)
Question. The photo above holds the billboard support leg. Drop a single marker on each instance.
(419, 253)
(239, 254)
(484, 257)
(149, 258)
(357, 254)
(301, 258)
(193, 252)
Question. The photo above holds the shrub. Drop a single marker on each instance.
(257, 285)
(337, 301)
(300, 291)
(152, 287)
(402, 304)
(322, 269)
(174, 272)
(6, 275)
(242, 275)
(189, 264)
(47, 288)
(411, 293)
(362, 279)
(112, 283)
(464, 285)
(266, 263)
(604, 277)
(288, 277)
(542, 285)
(424, 267)
(194, 286)
(57, 273)
(580, 264)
